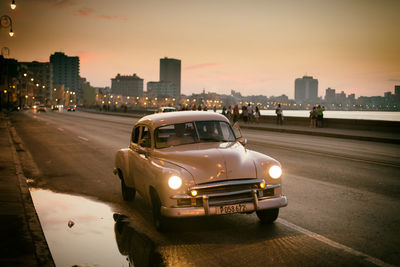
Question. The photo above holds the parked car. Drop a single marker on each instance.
(41, 108)
(193, 163)
(71, 108)
(165, 109)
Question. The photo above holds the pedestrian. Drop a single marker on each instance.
(278, 111)
(320, 115)
(224, 111)
(257, 114)
(199, 108)
(229, 113)
(250, 112)
(313, 117)
(235, 113)
(245, 114)
(215, 108)
(205, 108)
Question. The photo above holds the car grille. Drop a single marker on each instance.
(226, 193)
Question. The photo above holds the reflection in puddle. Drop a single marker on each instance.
(89, 241)
(139, 248)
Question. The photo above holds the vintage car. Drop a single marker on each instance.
(193, 163)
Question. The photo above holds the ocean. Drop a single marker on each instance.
(334, 114)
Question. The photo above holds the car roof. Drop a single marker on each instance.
(160, 119)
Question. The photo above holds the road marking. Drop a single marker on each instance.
(83, 138)
(334, 244)
(325, 154)
(60, 129)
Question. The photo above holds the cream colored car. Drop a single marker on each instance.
(193, 163)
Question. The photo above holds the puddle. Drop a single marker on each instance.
(88, 241)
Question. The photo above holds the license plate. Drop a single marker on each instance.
(227, 209)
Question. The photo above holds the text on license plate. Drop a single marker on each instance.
(231, 209)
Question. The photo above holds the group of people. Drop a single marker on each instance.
(316, 116)
(249, 114)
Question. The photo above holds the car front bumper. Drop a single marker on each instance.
(256, 204)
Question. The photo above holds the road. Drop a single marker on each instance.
(343, 196)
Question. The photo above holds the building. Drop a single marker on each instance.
(126, 85)
(306, 89)
(330, 96)
(170, 71)
(65, 71)
(161, 89)
(397, 90)
(42, 75)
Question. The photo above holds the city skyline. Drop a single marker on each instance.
(257, 48)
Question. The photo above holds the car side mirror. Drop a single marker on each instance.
(242, 140)
(143, 151)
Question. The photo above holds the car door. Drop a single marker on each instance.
(134, 159)
(144, 168)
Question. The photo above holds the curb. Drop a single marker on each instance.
(42, 251)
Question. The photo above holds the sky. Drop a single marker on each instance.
(253, 46)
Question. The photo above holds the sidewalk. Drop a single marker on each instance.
(373, 136)
(363, 135)
(22, 240)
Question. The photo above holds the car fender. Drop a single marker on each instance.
(262, 163)
(121, 164)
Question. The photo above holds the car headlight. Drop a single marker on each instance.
(275, 172)
(174, 182)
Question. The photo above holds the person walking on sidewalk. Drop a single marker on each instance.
(313, 117)
(278, 111)
(320, 115)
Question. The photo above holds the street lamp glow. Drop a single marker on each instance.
(32, 79)
(25, 74)
(13, 5)
(11, 33)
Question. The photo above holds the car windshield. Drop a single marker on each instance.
(193, 132)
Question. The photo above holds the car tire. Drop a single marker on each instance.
(128, 194)
(267, 216)
(160, 221)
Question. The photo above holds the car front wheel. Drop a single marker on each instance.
(160, 221)
(267, 216)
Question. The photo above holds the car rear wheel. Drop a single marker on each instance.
(128, 194)
(267, 216)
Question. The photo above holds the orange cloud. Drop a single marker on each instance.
(110, 17)
(84, 12)
(62, 3)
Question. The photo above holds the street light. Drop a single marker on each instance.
(13, 5)
(6, 22)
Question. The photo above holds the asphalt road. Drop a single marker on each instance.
(343, 197)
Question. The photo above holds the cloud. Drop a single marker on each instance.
(202, 66)
(84, 12)
(110, 17)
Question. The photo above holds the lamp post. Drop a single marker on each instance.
(6, 22)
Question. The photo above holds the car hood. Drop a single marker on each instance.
(210, 162)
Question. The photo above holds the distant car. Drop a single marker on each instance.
(71, 108)
(41, 108)
(166, 109)
(193, 163)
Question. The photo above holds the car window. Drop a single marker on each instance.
(214, 131)
(135, 135)
(175, 134)
(145, 139)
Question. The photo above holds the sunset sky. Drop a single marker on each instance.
(253, 46)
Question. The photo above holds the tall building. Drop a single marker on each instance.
(42, 73)
(306, 89)
(161, 89)
(65, 71)
(127, 85)
(397, 90)
(330, 95)
(170, 71)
